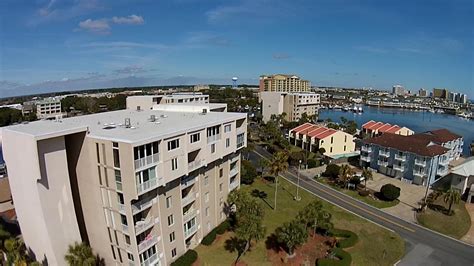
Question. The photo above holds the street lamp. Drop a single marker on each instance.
(297, 198)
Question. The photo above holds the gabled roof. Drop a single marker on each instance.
(393, 129)
(464, 169)
(314, 131)
(302, 127)
(438, 136)
(423, 147)
(381, 127)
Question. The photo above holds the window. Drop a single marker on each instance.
(116, 155)
(100, 175)
(227, 142)
(227, 128)
(120, 198)
(120, 255)
(130, 257)
(195, 137)
(106, 177)
(221, 172)
(123, 218)
(345, 138)
(173, 144)
(170, 220)
(206, 197)
(118, 180)
(212, 131)
(240, 140)
(127, 240)
(206, 180)
(174, 164)
(213, 148)
(97, 152)
(172, 237)
(220, 187)
(168, 202)
(113, 252)
(332, 140)
(207, 212)
(330, 150)
(344, 147)
(103, 154)
(173, 252)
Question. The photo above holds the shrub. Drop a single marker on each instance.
(223, 227)
(249, 172)
(312, 163)
(332, 171)
(349, 238)
(187, 259)
(390, 192)
(345, 259)
(207, 240)
(364, 193)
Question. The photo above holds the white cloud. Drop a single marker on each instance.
(131, 20)
(95, 26)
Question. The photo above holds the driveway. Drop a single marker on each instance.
(469, 237)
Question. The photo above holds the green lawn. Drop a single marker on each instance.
(369, 200)
(456, 225)
(376, 245)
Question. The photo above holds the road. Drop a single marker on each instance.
(423, 246)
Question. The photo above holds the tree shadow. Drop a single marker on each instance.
(235, 244)
(261, 195)
(272, 243)
(441, 209)
(288, 191)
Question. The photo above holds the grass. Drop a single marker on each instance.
(455, 225)
(376, 245)
(369, 200)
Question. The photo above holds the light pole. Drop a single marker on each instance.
(297, 198)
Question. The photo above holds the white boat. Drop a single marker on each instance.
(360, 109)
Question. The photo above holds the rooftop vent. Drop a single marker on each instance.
(127, 123)
(204, 111)
(152, 118)
(164, 116)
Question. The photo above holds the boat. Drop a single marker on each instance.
(360, 109)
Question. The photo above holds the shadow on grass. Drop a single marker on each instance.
(235, 244)
(272, 243)
(261, 195)
(441, 209)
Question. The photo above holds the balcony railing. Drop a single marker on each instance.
(188, 215)
(145, 161)
(213, 138)
(190, 231)
(142, 205)
(365, 158)
(382, 163)
(150, 261)
(366, 148)
(124, 227)
(188, 199)
(235, 159)
(187, 182)
(399, 167)
(233, 171)
(384, 153)
(141, 226)
(419, 173)
(442, 171)
(147, 185)
(420, 162)
(233, 185)
(443, 162)
(121, 207)
(195, 165)
(147, 243)
(400, 157)
(240, 144)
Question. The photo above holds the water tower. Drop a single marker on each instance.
(234, 82)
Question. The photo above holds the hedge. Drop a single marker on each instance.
(223, 227)
(345, 259)
(187, 259)
(350, 238)
(209, 238)
(219, 230)
(364, 193)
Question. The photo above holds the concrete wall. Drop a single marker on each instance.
(272, 104)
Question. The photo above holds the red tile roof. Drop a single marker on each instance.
(385, 127)
(420, 146)
(301, 127)
(369, 124)
(326, 133)
(314, 131)
(381, 127)
(393, 129)
(438, 136)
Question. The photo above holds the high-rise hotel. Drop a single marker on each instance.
(141, 187)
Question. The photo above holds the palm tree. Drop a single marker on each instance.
(291, 234)
(367, 174)
(15, 251)
(263, 164)
(345, 174)
(278, 164)
(452, 196)
(80, 254)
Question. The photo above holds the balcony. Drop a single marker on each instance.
(400, 157)
(443, 162)
(145, 161)
(420, 162)
(382, 163)
(233, 185)
(233, 171)
(190, 231)
(195, 165)
(147, 243)
(188, 199)
(141, 226)
(366, 148)
(384, 153)
(189, 215)
(124, 227)
(121, 208)
(234, 159)
(150, 261)
(400, 168)
(189, 181)
(214, 138)
(442, 171)
(141, 205)
(365, 158)
(418, 173)
(143, 187)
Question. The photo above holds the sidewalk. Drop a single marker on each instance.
(469, 237)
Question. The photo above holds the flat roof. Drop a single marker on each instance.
(111, 125)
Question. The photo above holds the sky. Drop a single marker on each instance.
(58, 45)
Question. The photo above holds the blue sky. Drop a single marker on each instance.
(49, 45)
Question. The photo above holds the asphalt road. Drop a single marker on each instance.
(423, 246)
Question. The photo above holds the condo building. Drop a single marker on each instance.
(146, 102)
(422, 158)
(141, 187)
(294, 105)
(440, 93)
(373, 129)
(49, 108)
(283, 83)
(398, 90)
(312, 137)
